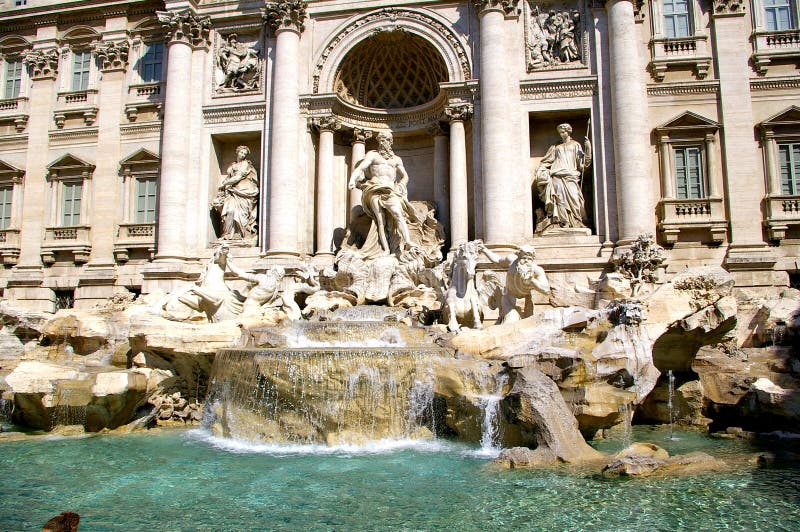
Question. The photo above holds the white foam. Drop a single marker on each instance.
(285, 449)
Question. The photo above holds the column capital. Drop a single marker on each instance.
(436, 130)
(43, 64)
(325, 123)
(727, 8)
(113, 55)
(458, 112)
(185, 27)
(286, 15)
(360, 135)
(509, 8)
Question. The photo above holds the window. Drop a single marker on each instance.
(789, 163)
(13, 79)
(150, 65)
(778, 15)
(81, 65)
(146, 201)
(676, 18)
(64, 298)
(6, 195)
(19, 3)
(71, 204)
(688, 172)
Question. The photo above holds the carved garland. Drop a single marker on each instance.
(392, 14)
(724, 8)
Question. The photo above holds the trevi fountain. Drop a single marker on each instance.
(408, 375)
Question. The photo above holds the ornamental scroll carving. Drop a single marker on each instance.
(508, 7)
(43, 63)
(185, 26)
(325, 123)
(112, 55)
(286, 15)
(553, 38)
(460, 112)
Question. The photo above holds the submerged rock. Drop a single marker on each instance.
(644, 459)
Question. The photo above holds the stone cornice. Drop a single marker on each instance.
(286, 15)
(767, 84)
(727, 8)
(509, 8)
(113, 55)
(562, 88)
(43, 64)
(459, 112)
(184, 26)
(677, 89)
(54, 14)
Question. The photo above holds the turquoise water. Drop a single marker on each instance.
(184, 480)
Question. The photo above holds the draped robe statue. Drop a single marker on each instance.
(558, 181)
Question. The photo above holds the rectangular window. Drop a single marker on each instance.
(71, 204)
(81, 64)
(689, 172)
(20, 2)
(778, 15)
(789, 162)
(676, 18)
(151, 61)
(65, 298)
(146, 201)
(13, 79)
(6, 192)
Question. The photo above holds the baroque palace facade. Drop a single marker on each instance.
(122, 125)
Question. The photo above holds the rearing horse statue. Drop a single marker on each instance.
(465, 298)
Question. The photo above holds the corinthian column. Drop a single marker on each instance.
(184, 31)
(635, 202)
(459, 209)
(325, 219)
(359, 143)
(285, 19)
(496, 135)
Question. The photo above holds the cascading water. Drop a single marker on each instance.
(626, 411)
(491, 427)
(69, 405)
(670, 404)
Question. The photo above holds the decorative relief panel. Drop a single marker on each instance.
(238, 64)
(555, 37)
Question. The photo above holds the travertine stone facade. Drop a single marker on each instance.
(119, 121)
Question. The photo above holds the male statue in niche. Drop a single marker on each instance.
(558, 181)
(237, 198)
(382, 179)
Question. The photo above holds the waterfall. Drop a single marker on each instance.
(69, 403)
(490, 407)
(334, 395)
(671, 394)
(626, 411)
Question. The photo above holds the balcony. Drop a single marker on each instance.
(144, 97)
(9, 246)
(68, 240)
(15, 111)
(133, 236)
(681, 215)
(676, 52)
(782, 213)
(770, 46)
(83, 104)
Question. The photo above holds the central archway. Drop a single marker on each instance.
(390, 70)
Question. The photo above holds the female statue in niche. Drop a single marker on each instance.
(558, 181)
(237, 198)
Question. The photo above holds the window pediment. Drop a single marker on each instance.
(688, 123)
(69, 166)
(10, 173)
(788, 117)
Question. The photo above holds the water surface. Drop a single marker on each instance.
(185, 480)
